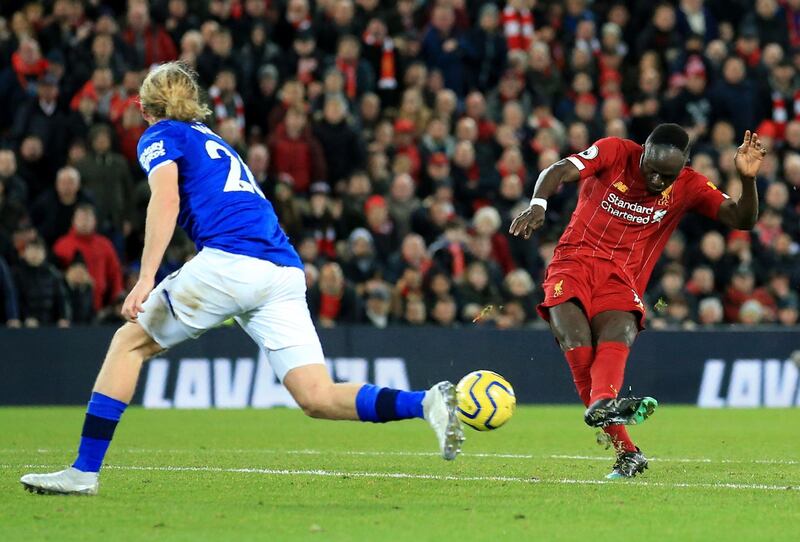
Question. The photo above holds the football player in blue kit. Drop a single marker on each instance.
(245, 268)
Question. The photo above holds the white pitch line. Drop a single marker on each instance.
(368, 453)
(685, 460)
(435, 477)
(277, 452)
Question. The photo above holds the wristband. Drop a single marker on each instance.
(541, 202)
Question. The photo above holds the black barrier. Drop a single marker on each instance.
(224, 369)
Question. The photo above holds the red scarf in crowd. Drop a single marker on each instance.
(459, 259)
(330, 306)
(387, 79)
(26, 72)
(518, 28)
(221, 110)
(350, 72)
(781, 113)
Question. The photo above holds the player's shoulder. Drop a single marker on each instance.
(622, 145)
(616, 146)
(165, 130)
(693, 177)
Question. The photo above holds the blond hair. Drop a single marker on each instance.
(170, 91)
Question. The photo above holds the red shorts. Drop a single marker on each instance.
(598, 285)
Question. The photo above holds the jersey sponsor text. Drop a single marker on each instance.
(153, 151)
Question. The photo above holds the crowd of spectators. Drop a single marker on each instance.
(397, 140)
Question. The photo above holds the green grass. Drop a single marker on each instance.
(677, 499)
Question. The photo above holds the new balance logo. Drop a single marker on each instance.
(658, 215)
(619, 185)
(637, 299)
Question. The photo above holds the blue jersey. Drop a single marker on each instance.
(221, 206)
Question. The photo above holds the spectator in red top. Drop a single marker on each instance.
(150, 43)
(292, 94)
(130, 127)
(487, 224)
(511, 162)
(404, 145)
(475, 108)
(380, 225)
(297, 156)
(28, 64)
(742, 289)
(332, 300)
(99, 88)
(98, 253)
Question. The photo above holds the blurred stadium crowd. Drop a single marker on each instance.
(397, 140)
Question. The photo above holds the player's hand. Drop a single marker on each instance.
(527, 222)
(749, 155)
(133, 303)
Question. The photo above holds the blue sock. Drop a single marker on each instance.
(102, 416)
(376, 404)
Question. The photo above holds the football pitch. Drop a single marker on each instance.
(277, 475)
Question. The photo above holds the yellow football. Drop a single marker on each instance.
(485, 400)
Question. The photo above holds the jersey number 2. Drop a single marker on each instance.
(235, 182)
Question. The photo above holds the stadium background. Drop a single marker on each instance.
(397, 140)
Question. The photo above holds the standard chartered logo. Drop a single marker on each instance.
(631, 210)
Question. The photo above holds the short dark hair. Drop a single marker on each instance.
(85, 207)
(671, 135)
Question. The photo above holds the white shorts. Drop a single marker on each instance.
(267, 300)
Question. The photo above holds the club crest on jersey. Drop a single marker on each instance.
(666, 196)
(558, 288)
(622, 187)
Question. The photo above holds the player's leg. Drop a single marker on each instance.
(614, 331)
(320, 397)
(130, 347)
(571, 329)
(615, 334)
(282, 326)
(113, 390)
(172, 313)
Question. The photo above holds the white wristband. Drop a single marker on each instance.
(541, 202)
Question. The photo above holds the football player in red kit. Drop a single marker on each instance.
(631, 199)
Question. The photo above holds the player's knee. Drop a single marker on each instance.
(574, 338)
(131, 339)
(316, 402)
(623, 332)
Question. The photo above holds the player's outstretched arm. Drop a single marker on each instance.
(532, 218)
(743, 214)
(162, 215)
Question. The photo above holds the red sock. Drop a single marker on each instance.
(580, 363)
(608, 370)
(620, 438)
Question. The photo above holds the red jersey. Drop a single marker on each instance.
(618, 219)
